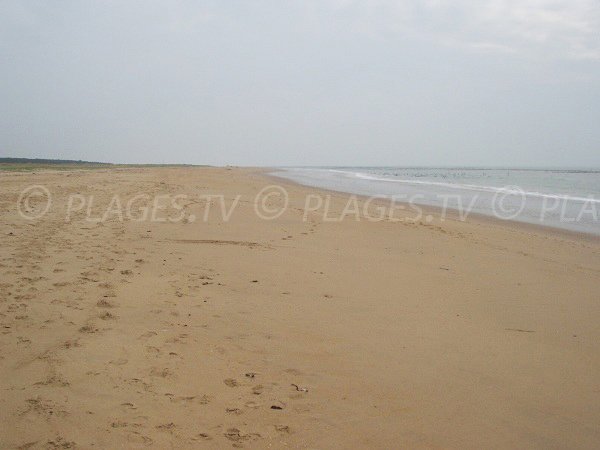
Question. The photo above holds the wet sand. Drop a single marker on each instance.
(213, 333)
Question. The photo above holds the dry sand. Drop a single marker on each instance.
(128, 334)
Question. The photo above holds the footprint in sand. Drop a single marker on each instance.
(23, 341)
(138, 438)
(200, 399)
(54, 380)
(235, 435)
(102, 303)
(70, 344)
(43, 407)
(129, 406)
(89, 329)
(60, 442)
(119, 424)
(162, 373)
(148, 334)
(119, 362)
(202, 436)
(107, 316)
(168, 427)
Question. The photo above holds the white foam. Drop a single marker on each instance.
(471, 187)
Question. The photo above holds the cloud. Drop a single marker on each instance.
(547, 28)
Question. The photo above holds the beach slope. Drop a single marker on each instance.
(209, 324)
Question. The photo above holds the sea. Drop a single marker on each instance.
(560, 198)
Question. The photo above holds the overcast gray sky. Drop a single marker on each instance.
(330, 82)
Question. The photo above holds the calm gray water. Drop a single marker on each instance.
(562, 198)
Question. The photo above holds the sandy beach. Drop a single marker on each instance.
(191, 329)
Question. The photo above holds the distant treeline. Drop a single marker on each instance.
(48, 161)
(70, 162)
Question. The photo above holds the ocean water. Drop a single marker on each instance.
(560, 198)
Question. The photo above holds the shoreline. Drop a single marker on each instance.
(452, 213)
